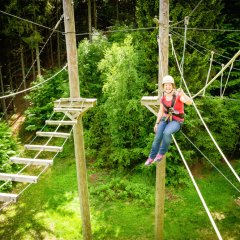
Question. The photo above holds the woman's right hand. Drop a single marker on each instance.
(155, 127)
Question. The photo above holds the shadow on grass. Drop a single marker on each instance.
(19, 220)
(42, 209)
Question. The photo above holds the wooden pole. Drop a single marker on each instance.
(78, 128)
(163, 70)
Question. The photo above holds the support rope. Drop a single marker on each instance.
(209, 71)
(208, 29)
(56, 26)
(46, 167)
(219, 73)
(179, 36)
(44, 170)
(221, 82)
(210, 161)
(186, 21)
(230, 70)
(26, 20)
(35, 86)
(198, 191)
(40, 151)
(200, 116)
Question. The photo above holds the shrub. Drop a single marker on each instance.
(41, 100)
(8, 148)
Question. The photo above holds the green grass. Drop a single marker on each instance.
(50, 209)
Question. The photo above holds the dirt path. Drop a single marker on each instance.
(17, 119)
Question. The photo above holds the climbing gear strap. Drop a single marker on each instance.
(170, 111)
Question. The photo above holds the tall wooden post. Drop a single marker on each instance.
(163, 70)
(78, 128)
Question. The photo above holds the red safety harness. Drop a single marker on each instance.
(170, 111)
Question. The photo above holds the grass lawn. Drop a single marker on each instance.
(50, 209)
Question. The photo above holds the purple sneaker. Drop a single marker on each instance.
(159, 157)
(149, 162)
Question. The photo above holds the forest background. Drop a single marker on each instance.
(118, 64)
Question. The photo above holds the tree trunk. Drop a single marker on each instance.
(51, 53)
(38, 60)
(33, 67)
(58, 41)
(117, 11)
(23, 68)
(11, 84)
(3, 103)
(95, 13)
(89, 20)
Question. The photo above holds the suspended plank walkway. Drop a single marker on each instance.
(72, 109)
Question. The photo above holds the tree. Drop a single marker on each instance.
(122, 89)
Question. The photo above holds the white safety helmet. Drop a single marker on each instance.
(168, 79)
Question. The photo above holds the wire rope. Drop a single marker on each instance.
(207, 50)
(45, 168)
(26, 20)
(35, 86)
(208, 29)
(209, 160)
(198, 191)
(225, 86)
(22, 169)
(200, 116)
(186, 21)
(200, 52)
(191, 13)
(219, 73)
(115, 31)
(221, 81)
(209, 71)
(57, 24)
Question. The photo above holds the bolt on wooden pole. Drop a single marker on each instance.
(70, 34)
(162, 70)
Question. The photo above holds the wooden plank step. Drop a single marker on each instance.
(53, 134)
(7, 197)
(43, 148)
(150, 100)
(75, 102)
(19, 160)
(68, 110)
(18, 177)
(51, 122)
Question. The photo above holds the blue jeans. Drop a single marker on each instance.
(163, 137)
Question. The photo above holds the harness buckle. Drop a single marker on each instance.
(171, 110)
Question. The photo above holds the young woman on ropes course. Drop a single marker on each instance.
(169, 119)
